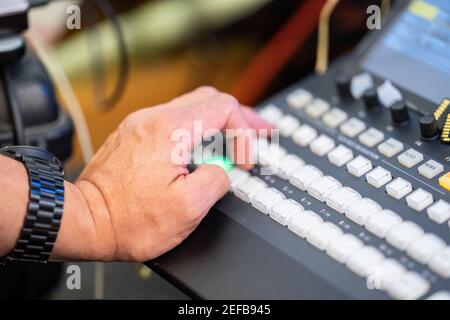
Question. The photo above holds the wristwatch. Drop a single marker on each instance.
(45, 206)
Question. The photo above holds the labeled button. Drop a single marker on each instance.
(287, 125)
(378, 177)
(321, 235)
(371, 137)
(237, 176)
(399, 188)
(425, 247)
(410, 158)
(322, 187)
(444, 181)
(439, 212)
(287, 166)
(284, 210)
(403, 234)
(306, 175)
(387, 272)
(359, 166)
(390, 147)
(361, 210)
(341, 198)
(268, 154)
(431, 169)
(317, 108)
(410, 286)
(301, 223)
(343, 246)
(266, 199)
(364, 260)
(334, 118)
(247, 190)
(299, 98)
(352, 127)
(272, 114)
(322, 145)
(380, 224)
(419, 199)
(440, 263)
(340, 156)
(304, 135)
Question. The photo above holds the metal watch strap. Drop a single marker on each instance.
(45, 210)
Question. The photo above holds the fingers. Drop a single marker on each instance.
(254, 120)
(194, 97)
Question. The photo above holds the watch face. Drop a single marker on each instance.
(32, 152)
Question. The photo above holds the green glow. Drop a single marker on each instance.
(220, 161)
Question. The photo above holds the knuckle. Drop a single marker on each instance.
(229, 100)
(208, 90)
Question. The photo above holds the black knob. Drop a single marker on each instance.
(343, 85)
(400, 113)
(371, 100)
(429, 127)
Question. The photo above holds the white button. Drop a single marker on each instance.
(340, 156)
(380, 224)
(266, 199)
(321, 235)
(323, 187)
(401, 235)
(287, 125)
(342, 247)
(361, 210)
(371, 137)
(419, 199)
(306, 175)
(301, 223)
(284, 210)
(268, 154)
(364, 260)
(439, 212)
(440, 263)
(378, 177)
(247, 190)
(441, 295)
(299, 98)
(398, 188)
(410, 158)
(359, 166)
(352, 127)
(317, 108)
(236, 177)
(341, 198)
(431, 169)
(360, 84)
(388, 94)
(390, 147)
(322, 145)
(287, 166)
(410, 286)
(304, 135)
(271, 114)
(423, 248)
(334, 118)
(386, 273)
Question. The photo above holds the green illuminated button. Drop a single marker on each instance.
(220, 161)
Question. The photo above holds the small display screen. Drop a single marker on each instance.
(415, 53)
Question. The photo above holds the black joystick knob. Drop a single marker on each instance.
(371, 100)
(400, 113)
(343, 85)
(429, 127)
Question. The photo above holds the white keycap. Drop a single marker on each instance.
(266, 199)
(352, 127)
(425, 247)
(236, 177)
(360, 84)
(389, 94)
(410, 158)
(287, 125)
(386, 273)
(321, 235)
(247, 190)
(371, 137)
(301, 223)
(317, 108)
(361, 210)
(271, 113)
(410, 286)
(284, 210)
(299, 98)
(341, 198)
(359, 166)
(343, 246)
(269, 154)
(334, 118)
(340, 156)
(323, 187)
(322, 145)
(306, 175)
(378, 177)
(440, 263)
(419, 199)
(441, 295)
(363, 261)
(380, 224)
(431, 169)
(287, 166)
(403, 234)
(398, 188)
(390, 147)
(304, 135)
(439, 212)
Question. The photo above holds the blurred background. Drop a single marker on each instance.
(249, 48)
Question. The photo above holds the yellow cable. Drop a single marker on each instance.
(385, 6)
(324, 35)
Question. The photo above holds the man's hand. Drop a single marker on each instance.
(141, 204)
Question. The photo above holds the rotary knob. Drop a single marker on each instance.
(343, 85)
(400, 113)
(429, 127)
(371, 100)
